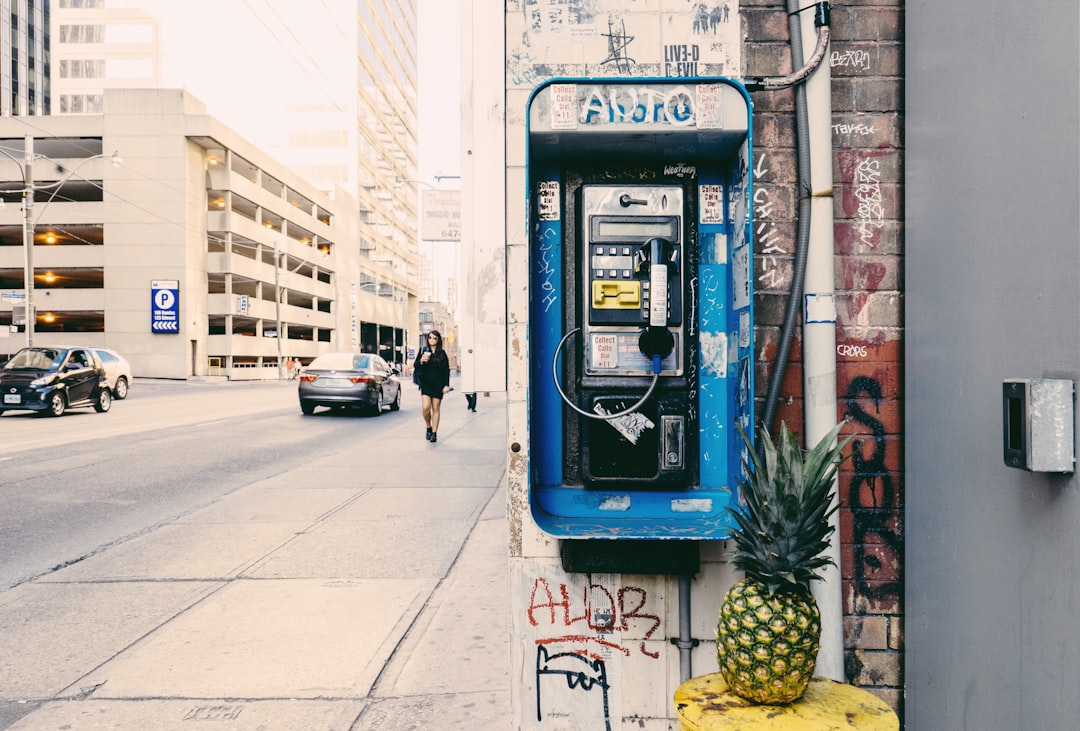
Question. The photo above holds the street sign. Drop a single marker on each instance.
(18, 314)
(440, 217)
(165, 306)
(13, 296)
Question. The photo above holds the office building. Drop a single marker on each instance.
(95, 47)
(25, 70)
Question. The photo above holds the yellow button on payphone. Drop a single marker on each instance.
(620, 295)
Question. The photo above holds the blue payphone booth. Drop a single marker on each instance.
(640, 322)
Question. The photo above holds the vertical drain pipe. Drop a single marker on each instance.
(819, 328)
(686, 643)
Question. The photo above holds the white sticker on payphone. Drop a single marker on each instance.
(710, 106)
(605, 351)
(564, 106)
(711, 203)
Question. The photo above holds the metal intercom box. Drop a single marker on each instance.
(1037, 422)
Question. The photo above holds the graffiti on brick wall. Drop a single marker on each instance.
(864, 201)
(848, 350)
(850, 59)
(857, 129)
(765, 231)
(866, 186)
(872, 496)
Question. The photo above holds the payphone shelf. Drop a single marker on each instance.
(699, 514)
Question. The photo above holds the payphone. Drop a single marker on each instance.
(632, 293)
(640, 327)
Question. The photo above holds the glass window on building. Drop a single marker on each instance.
(82, 33)
(82, 68)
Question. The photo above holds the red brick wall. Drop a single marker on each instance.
(867, 134)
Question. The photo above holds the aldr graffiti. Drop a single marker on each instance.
(583, 622)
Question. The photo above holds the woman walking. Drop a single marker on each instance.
(433, 367)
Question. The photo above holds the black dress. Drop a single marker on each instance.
(435, 374)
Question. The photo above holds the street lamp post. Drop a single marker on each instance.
(277, 306)
(279, 292)
(404, 327)
(28, 237)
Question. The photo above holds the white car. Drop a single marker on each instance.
(117, 372)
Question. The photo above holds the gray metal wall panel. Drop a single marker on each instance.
(992, 560)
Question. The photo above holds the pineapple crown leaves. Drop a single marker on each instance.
(784, 528)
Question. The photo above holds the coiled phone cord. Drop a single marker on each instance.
(586, 414)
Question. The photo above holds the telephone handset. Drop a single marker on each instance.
(656, 340)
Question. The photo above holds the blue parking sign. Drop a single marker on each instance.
(165, 306)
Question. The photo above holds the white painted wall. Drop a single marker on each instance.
(623, 623)
(482, 272)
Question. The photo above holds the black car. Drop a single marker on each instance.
(51, 379)
(352, 380)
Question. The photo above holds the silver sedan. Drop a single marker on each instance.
(349, 380)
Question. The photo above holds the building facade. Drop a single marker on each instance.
(260, 265)
(25, 58)
(387, 193)
(95, 47)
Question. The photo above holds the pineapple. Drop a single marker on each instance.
(769, 630)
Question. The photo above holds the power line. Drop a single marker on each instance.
(289, 48)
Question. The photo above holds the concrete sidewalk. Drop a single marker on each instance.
(364, 591)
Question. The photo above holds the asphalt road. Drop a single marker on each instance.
(73, 486)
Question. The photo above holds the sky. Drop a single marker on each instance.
(440, 88)
(247, 79)
(439, 62)
(230, 73)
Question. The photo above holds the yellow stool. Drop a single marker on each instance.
(704, 703)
